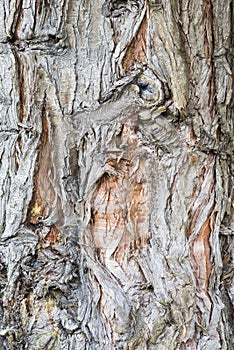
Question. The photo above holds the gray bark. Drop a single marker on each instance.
(116, 174)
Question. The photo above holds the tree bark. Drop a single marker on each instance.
(116, 174)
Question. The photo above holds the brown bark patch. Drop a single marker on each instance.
(19, 20)
(120, 204)
(196, 193)
(201, 255)
(120, 219)
(43, 193)
(193, 137)
(204, 186)
(137, 49)
(54, 235)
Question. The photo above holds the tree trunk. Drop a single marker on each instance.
(116, 174)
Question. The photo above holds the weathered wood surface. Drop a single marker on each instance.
(116, 174)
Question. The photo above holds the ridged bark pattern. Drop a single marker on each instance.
(116, 175)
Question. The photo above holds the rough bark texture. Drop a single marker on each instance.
(116, 174)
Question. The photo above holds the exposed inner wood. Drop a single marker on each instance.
(136, 52)
(120, 205)
(43, 192)
(201, 255)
